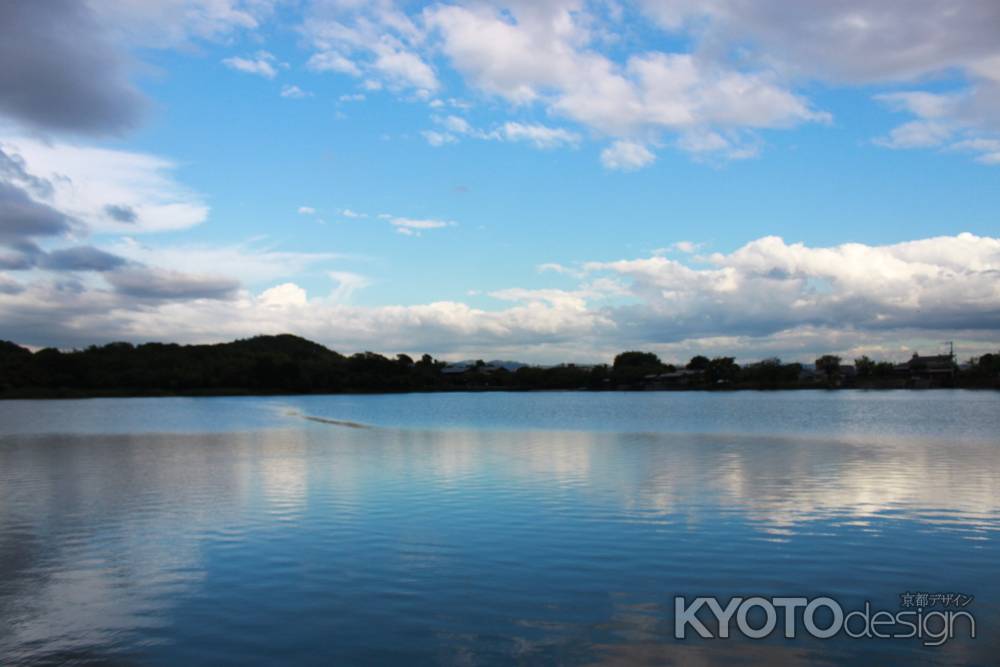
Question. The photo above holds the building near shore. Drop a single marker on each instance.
(932, 371)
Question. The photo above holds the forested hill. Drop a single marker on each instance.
(289, 364)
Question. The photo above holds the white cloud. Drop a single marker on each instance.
(347, 283)
(540, 136)
(90, 184)
(263, 64)
(769, 286)
(455, 124)
(438, 327)
(283, 296)
(925, 105)
(547, 56)
(307, 210)
(686, 247)
(713, 101)
(294, 92)
(627, 156)
(858, 42)
(917, 134)
(251, 263)
(348, 213)
(414, 226)
(953, 120)
(405, 68)
(575, 60)
(988, 150)
(555, 267)
(374, 40)
(435, 138)
(767, 297)
(171, 23)
(852, 41)
(329, 61)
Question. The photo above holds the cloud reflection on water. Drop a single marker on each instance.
(109, 543)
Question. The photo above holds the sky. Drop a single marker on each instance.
(546, 181)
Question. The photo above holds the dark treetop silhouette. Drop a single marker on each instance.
(289, 364)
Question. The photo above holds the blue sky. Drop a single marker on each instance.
(546, 181)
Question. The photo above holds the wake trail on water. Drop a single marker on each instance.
(333, 422)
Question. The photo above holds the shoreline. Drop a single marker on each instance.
(221, 393)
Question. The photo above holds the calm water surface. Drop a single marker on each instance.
(486, 528)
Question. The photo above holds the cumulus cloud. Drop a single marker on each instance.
(769, 286)
(282, 296)
(404, 68)
(852, 41)
(329, 61)
(916, 134)
(375, 40)
(953, 121)
(858, 42)
(714, 98)
(262, 64)
(47, 313)
(766, 297)
(547, 54)
(627, 156)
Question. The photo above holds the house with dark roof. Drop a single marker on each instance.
(930, 371)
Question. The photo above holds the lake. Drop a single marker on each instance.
(491, 528)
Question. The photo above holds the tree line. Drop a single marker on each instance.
(290, 364)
